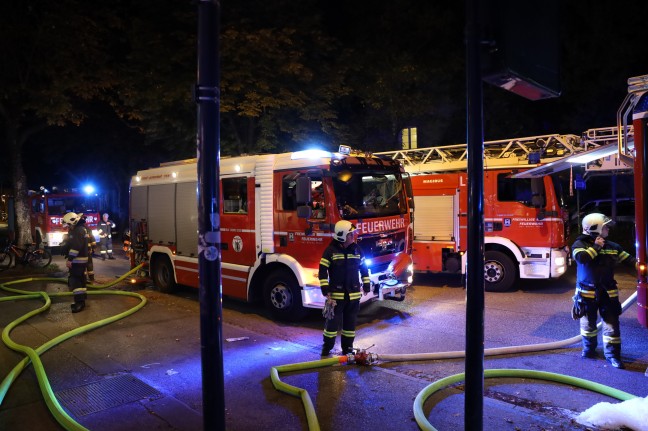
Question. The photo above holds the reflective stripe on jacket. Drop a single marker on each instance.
(340, 270)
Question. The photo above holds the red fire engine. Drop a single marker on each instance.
(46, 211)
(525, 219)
(277, 213)
(628, 145)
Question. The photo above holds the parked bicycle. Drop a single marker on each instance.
(30, 255)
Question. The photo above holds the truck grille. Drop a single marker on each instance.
(374, 246)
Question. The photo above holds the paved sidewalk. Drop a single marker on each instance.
(144, 372)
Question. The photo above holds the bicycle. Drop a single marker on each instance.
(32, 256)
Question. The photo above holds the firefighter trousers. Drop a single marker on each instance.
(346, 314)
(76, 277)
(611, 329)
(106, 247)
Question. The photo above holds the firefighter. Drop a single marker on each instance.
(105, 228)
(596, 289)
(76, 258)
(340, 269)
(92, 243)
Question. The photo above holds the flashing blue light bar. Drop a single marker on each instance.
(310, 154)
(88, 189)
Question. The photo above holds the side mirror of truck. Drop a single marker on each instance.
(304, 211)
(537, 193)
(303, 190)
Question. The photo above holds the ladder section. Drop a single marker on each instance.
(606, 136)
(508, 153)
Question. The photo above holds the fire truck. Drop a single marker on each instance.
(525, 220)
(46, 211)
(277, 212)
(628, 144)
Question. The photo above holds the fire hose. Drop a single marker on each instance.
(367, 358)
(33, 355)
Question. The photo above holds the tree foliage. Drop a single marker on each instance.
(45, 73)
(293, 74)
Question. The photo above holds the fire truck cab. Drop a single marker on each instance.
(277, 213)
(46, 211)
(525, 219)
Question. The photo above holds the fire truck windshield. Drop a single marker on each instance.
(59, 205)
(362, 194)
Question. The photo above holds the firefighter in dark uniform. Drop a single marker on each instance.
(596, 289)
(340, 269)
(76, 258)
(105, 228)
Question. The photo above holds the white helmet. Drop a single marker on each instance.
(342, 229)
(593, 223)
(71, 218)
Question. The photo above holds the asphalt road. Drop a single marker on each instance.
(144, 372)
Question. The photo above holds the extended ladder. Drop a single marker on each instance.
(518, 153)
(606, 136)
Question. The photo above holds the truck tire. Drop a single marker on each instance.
(162, 275)
(282, 296)
(499, 271)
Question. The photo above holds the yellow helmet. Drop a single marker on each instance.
(71, 218)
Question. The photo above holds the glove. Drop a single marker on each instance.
(579, 308)
(329, 308)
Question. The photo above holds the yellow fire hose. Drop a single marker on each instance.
(33, 355)
(419, 414)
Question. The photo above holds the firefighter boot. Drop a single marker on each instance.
(327, 346)
(615, 362)
(80, 296)
(111, 257)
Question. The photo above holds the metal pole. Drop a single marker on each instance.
(474, 399)
(209, 265)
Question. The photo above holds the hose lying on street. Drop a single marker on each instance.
(421, 419)
(33, 355)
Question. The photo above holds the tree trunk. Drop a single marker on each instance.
(23, 225)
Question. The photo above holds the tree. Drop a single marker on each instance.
(406, 69)
(55, 54)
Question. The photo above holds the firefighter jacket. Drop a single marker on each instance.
(78, 245)
(92, 242)
(105, 228)
(596, 266)
(340, 269)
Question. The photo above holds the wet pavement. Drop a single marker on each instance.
(143, 372)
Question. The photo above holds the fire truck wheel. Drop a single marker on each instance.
(282, 296)
(499, 271)
(162, 275)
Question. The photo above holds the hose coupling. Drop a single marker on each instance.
(362, 357)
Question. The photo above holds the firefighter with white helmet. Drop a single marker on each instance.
(76, 258)
(596, 289)
(340, 269)
(105, 228)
